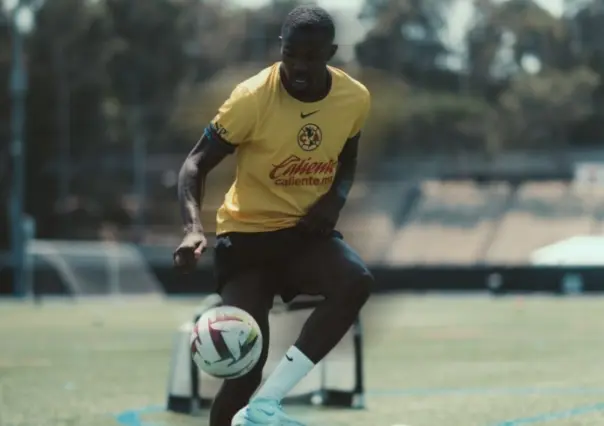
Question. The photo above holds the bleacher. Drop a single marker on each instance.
(541, 213)
(492, 223)
(402, 223)
(448, 214)
(372, 216)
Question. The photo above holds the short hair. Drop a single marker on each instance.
(309, 17)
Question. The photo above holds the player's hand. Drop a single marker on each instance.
(189, 251)
(322, 217)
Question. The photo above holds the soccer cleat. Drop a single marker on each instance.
(263, 412)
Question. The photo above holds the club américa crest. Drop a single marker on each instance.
(310, 137)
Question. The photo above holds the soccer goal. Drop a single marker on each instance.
(336, 381)
(88, 268)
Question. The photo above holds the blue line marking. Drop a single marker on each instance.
(132, 417)
(553, 416)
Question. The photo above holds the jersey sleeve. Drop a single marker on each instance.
(234, 123)
(364, 107)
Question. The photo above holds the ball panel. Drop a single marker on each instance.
(218, 340)
(226, 342)
(206, 347)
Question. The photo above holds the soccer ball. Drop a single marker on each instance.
(226, 342)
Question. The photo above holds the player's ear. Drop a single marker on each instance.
(332, 51)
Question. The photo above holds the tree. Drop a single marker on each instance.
(5, 64)
(538, 110)
(517, 34)
(4, 130)
(587, 26)
(405, 37)
(67, 56)
(148, 66)
(543, 87)
(416, 101)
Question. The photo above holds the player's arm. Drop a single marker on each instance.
(323, 216)
(347, 160)
(231, 127)
(209, 151)
(347, 166)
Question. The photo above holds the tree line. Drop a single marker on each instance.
(108, 77)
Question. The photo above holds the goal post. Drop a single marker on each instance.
(88, 268)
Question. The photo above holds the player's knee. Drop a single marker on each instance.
(364, 287)
(357, 292)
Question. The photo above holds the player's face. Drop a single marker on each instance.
(304, 55)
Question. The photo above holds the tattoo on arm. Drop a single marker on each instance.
(209, 151)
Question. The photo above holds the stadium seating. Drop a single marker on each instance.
(459, 215)
(368, 223)
(542, 213)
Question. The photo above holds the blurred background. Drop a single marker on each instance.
(482, 170)
(483, 155)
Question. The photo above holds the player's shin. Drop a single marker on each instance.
(294, 366)
(334, 316)
(233, 395)
(323, 330)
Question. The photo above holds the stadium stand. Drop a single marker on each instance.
(450, 214)
(369, 223)
(542, 213)
(594, 197)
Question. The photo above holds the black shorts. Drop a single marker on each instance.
(288, 262)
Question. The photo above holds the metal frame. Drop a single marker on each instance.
(325, 397)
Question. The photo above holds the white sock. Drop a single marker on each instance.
(293, 367)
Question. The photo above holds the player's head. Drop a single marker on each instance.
(307, 44)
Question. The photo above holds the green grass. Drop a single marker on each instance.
(464, 361)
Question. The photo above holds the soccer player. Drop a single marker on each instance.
(295, 129)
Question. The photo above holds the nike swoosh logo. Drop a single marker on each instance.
(302, 115)
(289, 358)
(268, 413)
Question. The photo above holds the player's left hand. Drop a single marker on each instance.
(322, 217)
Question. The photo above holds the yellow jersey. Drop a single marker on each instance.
(287, 150)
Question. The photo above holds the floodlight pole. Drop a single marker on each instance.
(18, 92)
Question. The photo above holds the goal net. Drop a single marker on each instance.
(335, 381)
(88, 268)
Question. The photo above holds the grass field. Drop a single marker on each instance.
(430, 361)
